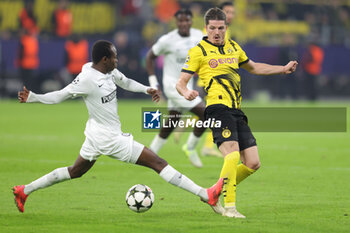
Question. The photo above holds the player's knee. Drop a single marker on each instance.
(159, 164)
(74, 173)
(255, 166)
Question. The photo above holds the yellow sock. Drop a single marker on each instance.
(209, 140)
(243, 172)
(229, 172)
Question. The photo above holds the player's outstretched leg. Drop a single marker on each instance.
(211, 196)
(20, 197)
(80, 167)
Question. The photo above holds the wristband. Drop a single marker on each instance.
(153, 82)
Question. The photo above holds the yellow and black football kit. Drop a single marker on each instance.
(217, 67)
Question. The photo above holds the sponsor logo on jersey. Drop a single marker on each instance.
(109, 97)
(213, 63)
(151, 120)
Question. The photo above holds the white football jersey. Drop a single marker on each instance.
(175, 48)
(99, 92)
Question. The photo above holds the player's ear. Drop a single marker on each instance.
(104, 59)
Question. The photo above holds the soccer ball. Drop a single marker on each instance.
(139, 198)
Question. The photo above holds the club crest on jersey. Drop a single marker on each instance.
(109, 97)
(229, 51)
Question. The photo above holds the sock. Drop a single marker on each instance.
(56, 176)
(172, 176)
(192, 141)
(229, 172)
(157, 143)
(209, 143)
(243, 172)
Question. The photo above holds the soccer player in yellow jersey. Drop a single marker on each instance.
(216, 60)
(229, 10)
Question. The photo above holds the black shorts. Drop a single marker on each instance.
(234, 126)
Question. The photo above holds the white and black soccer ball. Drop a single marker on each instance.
(139, 198)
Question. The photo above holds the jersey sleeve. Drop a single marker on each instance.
(160, 47)
(193, 61)
(54, 97)
(126, 83)
(243, 58)
(80, 86)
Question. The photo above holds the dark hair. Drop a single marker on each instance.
(183, 12)
(100, 49)
(222, 5)
(214, 14)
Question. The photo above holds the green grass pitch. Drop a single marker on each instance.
(302, 186)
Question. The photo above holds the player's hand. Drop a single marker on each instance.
(191, 94)
(155, 93)
(159, 90)
(290, 67)
(23, 95)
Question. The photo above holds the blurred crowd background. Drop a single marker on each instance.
(44, 42)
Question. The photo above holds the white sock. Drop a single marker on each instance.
(157, 143)
(56, 176)
(172, 176)
(192, 141)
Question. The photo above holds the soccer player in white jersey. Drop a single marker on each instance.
(97, 84)
(174, 46)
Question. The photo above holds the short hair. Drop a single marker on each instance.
(183, 12)
(214, 14)
(222, 5)
(100, 49)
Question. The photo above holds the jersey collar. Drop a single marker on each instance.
(205, 38)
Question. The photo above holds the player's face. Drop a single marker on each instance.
(216, 30)
(230, 13)
(184, 23)
(112, 61)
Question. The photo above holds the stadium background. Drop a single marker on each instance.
(301, 186)
(264, 28)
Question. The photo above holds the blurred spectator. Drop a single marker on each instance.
(27, 19)
(28, 60)
(76, 55)
(165, 10)
(288, 52)
(311, 64)
(128, 54)
(62, 19)
(229, 10)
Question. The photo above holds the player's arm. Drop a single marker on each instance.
(54, 97)
(150, 64)
(266, 69)
(131, 85)
(181, 86)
